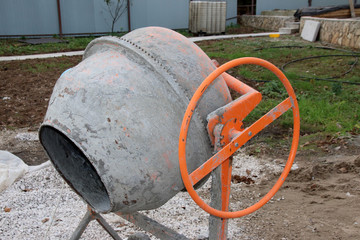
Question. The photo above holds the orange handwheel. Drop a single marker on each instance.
(238, 139)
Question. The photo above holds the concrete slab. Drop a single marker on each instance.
(310, 30)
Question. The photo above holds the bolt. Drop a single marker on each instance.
(250, 133)
(236, 144)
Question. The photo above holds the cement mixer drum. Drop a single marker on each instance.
(112, 124)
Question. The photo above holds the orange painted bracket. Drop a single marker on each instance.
(234, 137)
(233, 113)
(239, 138)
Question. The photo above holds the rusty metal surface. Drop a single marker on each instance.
(122, 107)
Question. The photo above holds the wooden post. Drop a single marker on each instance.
(352, 8)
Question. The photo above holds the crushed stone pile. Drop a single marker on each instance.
(42, 206)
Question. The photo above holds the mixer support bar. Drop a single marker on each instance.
(89, 216)
(138, 219)
(152, 226)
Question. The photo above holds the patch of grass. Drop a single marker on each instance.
(327, 107)
(46, 66)
(185, 32)
(10, 47)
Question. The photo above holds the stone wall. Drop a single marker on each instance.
(343, 32)
(269, 23)
(279, 12)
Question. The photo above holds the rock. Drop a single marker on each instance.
(294, 167)
(202, 237)
(357, 161)
(343, 170)
(139, 236)
(7, 209)
(29, 136)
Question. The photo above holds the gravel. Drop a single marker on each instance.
(42, 206)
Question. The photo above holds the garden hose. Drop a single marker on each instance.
(330, 79)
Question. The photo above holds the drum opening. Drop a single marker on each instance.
(75, 168)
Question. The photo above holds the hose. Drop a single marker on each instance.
(329, 79)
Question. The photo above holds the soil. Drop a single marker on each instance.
(319, 200)
(25, 89)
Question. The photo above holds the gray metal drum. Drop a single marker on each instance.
(112, 124)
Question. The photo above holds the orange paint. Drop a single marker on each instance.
(236, 137)
(154, 176)
(169, 164)
(109, 81)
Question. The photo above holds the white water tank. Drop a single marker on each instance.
(207, 17)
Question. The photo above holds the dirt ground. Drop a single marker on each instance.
(25, 89)
(319, 200)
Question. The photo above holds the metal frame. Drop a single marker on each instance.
(89, 216)
(138, 219)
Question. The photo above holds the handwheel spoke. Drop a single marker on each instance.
(239, 141)
(264, 121)
(210, 164)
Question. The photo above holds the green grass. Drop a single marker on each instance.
(185, 32)
(321, 110)
(10, 47)
(326, 107)
(42, 67)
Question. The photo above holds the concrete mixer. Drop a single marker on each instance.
(135, 122)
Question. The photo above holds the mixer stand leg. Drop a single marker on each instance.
(89, 216)
(138, 219)
(220, 194)
(151, 226)
(220, 190)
